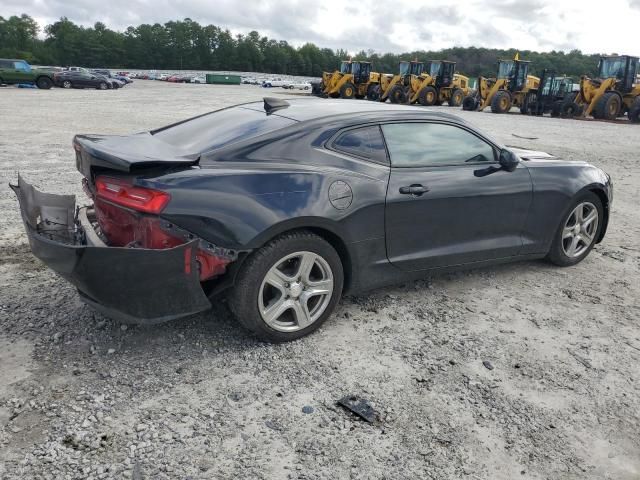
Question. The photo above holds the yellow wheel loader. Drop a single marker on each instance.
(351, 81)
(513, 87)
(614, 92)
(429, 84)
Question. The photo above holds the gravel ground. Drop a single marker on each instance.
(84, 397)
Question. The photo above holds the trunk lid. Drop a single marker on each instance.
(127, 153)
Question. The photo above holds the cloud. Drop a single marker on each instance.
(398, 26)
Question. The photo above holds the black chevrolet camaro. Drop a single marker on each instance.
(290, 204)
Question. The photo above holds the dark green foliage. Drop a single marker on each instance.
(185, 44)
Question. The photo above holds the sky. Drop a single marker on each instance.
(383, 26)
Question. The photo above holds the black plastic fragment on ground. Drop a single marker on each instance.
(359, 406)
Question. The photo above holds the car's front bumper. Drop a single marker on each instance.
(133, 285)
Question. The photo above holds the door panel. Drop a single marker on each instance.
(461, 217)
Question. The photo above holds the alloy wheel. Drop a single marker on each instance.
(66, 84)
(295, 291)
(580, 229)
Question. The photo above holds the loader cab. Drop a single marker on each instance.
(433, 68)
(416, 68)
(515, 72)
(345, 67)
(623, 68)
(447, 71)
(442, 71)
(360, 71)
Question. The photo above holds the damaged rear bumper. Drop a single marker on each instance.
(133, 285)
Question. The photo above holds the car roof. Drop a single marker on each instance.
(307, 109)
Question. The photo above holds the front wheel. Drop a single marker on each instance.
(288, 288)
(578, 231)
(44, 83)
(67, 84)
(103, 86)
(457, 96)
(470, 103)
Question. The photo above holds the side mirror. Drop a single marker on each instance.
(508, 160)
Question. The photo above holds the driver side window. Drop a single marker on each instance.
(434, 144)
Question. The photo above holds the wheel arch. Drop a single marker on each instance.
(602, 195)
(325, 229)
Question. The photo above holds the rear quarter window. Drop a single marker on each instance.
(365, 142)
(220, 128)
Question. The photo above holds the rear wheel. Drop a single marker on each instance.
(427, 96)
(348, 90)
(501, 102)
(103, 86)
(397, 95)
(572, 109)
(373, 93)
(469, 103)
(634, 112)
(578, 231)
(556, 109)
(457, 96)
(67, 84)
(529, 103)
(44, 83)
(288, 288)
(608, 107)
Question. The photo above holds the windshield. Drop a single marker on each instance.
(345, 67)
(612, 67)
(220, 128)
(404, 68)
(505, 69)
(434, 69)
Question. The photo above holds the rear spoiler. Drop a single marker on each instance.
(126, 153)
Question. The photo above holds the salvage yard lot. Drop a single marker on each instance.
(84, 397)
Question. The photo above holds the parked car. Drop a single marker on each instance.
(78, 79)
(120, 81)
(78, 69)
(276, 82)
(317, 198)
(298, 86)
(199, 79)
(13, 72)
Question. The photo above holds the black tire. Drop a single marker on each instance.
(427, 96)
(244, 297)
(67, 84)
(470, 103)
(556, 109)
(501, 102)
(529, 103)
(556, 253)
(44, 83)
(608, 107)
(373, 93)
(634, 112)
(457, 96)
(348, 90)
(572, 109)
(397, 94)
(103, 86)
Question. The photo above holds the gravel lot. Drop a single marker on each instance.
(84, 397)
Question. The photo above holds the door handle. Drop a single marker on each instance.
(416, 189)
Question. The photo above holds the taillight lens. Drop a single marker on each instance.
(123, 193)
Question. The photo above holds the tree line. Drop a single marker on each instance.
(187, 45)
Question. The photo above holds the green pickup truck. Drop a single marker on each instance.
(19, 71)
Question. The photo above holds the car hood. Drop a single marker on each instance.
(123, 153)
(531, 154)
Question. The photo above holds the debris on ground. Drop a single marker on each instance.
(359, 406)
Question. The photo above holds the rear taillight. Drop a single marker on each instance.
(123, 193)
